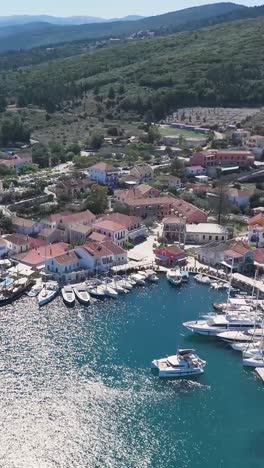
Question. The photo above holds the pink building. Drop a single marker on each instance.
(226, 157)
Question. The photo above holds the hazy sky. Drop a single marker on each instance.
(102, 8)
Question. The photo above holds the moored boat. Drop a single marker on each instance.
(138, 279)
(184, 364)
(48, 292)
(68, 296)
(152, 276)
(203, 279)
(174, 277)
(82, 294)
(215, 325)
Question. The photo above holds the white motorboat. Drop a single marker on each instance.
(82, 294)
(258, 351)
(217, 324)
(48, 292)
(68, 296)
(243, 346)
(138, 279)
(116, 286)
(219, 285)
(202, 279)
(108, 291)
(152, 276)
(256, 361)
(96, 291)
(174, 277)
(184, 364)
(124, 282)
(35, 290)
(241, 336)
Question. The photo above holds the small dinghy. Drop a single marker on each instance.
(48, 293)
(82, 295)
(68, 296)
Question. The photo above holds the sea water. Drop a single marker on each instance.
(76, 388)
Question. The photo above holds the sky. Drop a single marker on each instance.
(103, 8)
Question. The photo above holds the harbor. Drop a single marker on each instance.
(89, 367)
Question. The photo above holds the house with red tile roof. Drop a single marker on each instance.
(17, 243)
(133, 224)
(225, 157)
(77, 234)
(191, 213)
(259, 259)
(37, 257)
(170, 256)
(100, 257)
(155, 208)
(113, 230)
(141, 191)
(256, 230)
(230, 255)
(66, 267)
(66, 219)
(104, 173)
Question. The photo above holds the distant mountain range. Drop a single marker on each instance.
(30, 35)
(71, 20)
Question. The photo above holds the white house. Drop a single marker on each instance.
(114, 231)
(17, 243)
(101, 257)
(66, 267)
(142, 173)
(193, 171)
(26, 226)
(104, 173)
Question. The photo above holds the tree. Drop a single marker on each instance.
(2, 104)
(6, 224)
(112, 131)
(40, 155)
(153, 134)
(12, 130)
(121, 208)
(96, 140)
(111, 93)
(96, 201)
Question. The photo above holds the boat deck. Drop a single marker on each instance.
(260, 372)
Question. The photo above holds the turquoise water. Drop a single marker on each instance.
(76, 388)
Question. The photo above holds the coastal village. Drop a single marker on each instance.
(182, 211)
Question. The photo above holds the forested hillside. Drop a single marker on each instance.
(219, 65)
(39, 34)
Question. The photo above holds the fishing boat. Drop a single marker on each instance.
(82, 294)
(216, 325)
(48, 292)
(174, 277)
(152, 276)
(184, 364)
(115, 285)
(68, 296)
(203, 279)
(138, 279)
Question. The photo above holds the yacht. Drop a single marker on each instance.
(82, 294)
(138, 279)
(68, 296)
(241, 336)
(219, 285)
(152, 276)
(115, 285)
(96, 291)
(243, 346)
(202, 279)
(48, 292)
(174, 277)
(183, 364)
(214, 325)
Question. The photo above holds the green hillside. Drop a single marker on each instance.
(220, 65)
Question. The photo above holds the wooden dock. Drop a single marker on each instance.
(260, 372)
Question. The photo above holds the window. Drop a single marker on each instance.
(216, 237)
(210, 237)
(223, 237)
(203, 237)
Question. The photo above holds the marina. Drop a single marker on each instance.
(90, 367)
